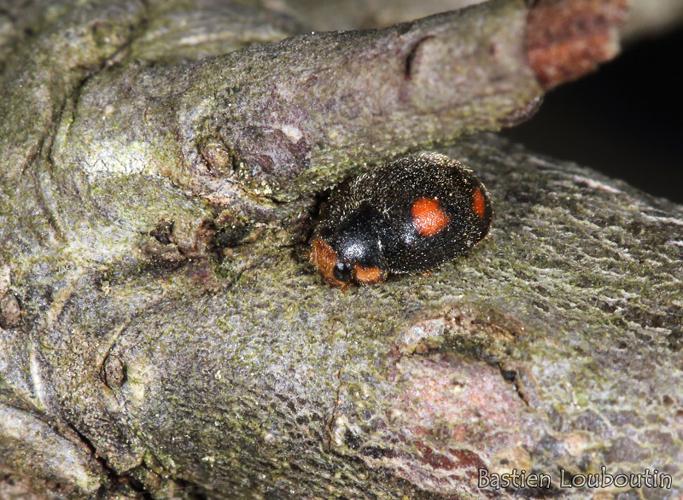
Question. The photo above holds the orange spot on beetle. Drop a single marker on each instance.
(325, 258)
(428, 217)
(368, 275)
(479, 203)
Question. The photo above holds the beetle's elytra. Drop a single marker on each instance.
(410, 215)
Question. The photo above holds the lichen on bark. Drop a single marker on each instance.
(161, 329)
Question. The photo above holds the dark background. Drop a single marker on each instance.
(625, 120)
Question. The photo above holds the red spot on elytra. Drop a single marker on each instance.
(428, 217)
(479, 203)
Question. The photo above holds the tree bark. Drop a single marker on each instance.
(162, 332)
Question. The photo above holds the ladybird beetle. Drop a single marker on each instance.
(410, 215)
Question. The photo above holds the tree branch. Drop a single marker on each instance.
(174, 337)
(313, 103)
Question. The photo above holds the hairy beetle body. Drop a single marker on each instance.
(411, 215)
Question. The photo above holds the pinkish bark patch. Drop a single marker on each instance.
(457, 416)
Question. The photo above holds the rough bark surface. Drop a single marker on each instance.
(162, 332)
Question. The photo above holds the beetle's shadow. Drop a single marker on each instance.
(304, 227)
